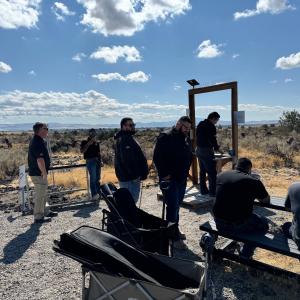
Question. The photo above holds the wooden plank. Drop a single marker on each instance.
(213, 88)
(275, 203)
(273, 242)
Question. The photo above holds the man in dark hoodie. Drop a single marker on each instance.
(172, 158)
(206, 145)
(130, 162)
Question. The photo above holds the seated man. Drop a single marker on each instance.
(293, 202)
(235, 195)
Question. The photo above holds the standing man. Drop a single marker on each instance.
(39, 163)
(233, 210)
(91, 153)
(130, 162)
(206, 145)
(172, 158)
(292, 229)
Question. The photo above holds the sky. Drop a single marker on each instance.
(97, 61)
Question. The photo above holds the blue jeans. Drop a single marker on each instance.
(133, 186)
(255, 223)
(94, 168)
(173, 197)
(207, 165)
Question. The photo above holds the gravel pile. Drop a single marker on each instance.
(30, 269)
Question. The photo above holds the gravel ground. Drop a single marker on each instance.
(30, 269)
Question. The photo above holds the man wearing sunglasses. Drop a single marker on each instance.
(172, 158)
(130, 162)
(39, 163)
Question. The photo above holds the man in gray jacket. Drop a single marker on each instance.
(292, 229)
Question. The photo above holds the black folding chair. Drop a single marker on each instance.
(133, 225)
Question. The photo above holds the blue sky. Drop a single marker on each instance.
(96, 61)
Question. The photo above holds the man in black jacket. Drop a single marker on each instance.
(172, 158)
(130, 162)
(206, 145)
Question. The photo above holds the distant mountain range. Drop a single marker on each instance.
(60, 126)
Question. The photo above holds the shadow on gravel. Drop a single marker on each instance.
(16, 248)
(85, 211)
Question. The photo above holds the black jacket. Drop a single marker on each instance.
(173, 155)
(130, 161)
(206, 135)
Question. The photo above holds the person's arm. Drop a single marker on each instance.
(214, 138)
(85, 146)
(42, 167)
(262, 194)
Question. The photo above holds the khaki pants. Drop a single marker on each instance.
(40, 200)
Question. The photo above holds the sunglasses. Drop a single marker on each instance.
(46, 128)
(131, 125)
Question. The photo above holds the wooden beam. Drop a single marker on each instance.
(193, 137)
(234, 124)
(213, 88)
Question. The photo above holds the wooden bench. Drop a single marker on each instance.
(278, 243)
(275, 203)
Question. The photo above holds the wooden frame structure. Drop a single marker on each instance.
(234, 125)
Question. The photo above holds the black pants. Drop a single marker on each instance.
(207, 165)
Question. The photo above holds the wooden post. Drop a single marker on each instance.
(234, 124)
(193, 137)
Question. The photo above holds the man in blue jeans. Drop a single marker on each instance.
(91, 153)
(130, 162)
(172, 158)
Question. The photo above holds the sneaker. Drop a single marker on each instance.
(42, 220)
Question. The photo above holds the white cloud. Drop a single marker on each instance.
(265, 6)
(208, 50)
(111, 55)
(287, 80)
(93, 106)
(125, 17)
(88, 105)
(78, 56)
(176, 87)
(32, 73)
(290, 62)
(61, 10)
(19, 13)
(273, 81)
(4, 68)
(236, 55)
(138, 76)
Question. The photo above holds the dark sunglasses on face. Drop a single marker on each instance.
(46, 128)
(131, 125)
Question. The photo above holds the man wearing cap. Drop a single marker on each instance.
(39, 163)
(130, 162)
(91, 153)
